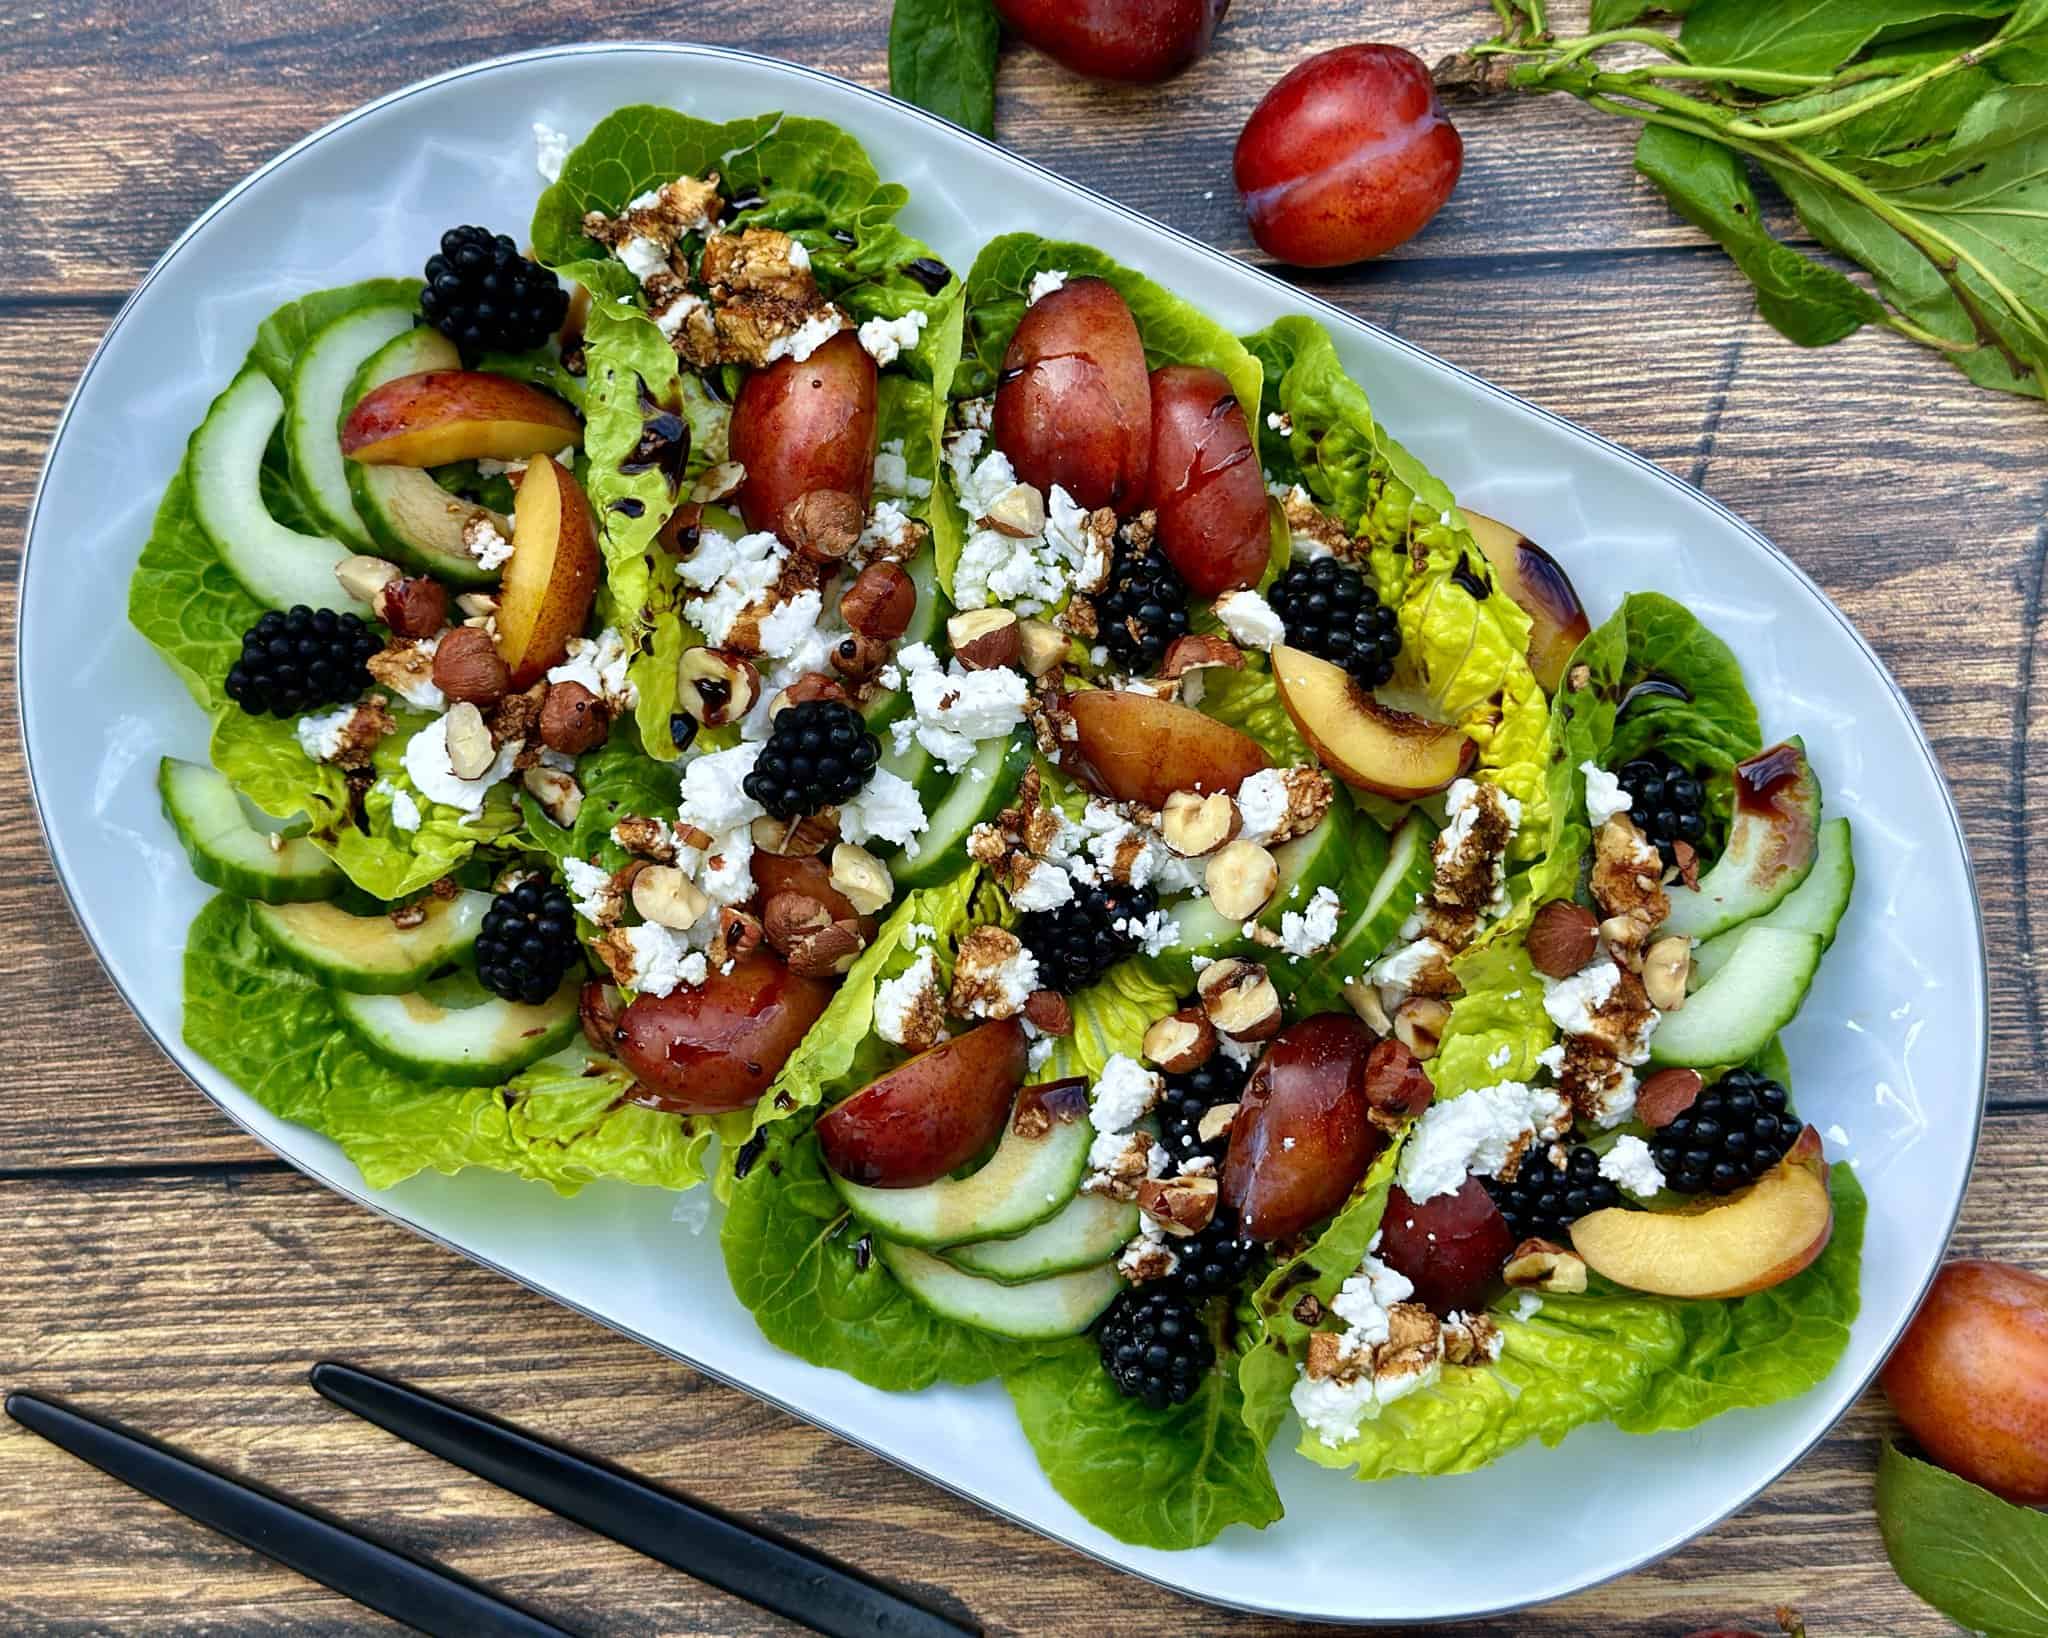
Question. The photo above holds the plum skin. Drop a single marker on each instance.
(1349, 155)
(1450, 1247)
(804, 425)
(1135, 41)
(717, 1047)
(1206, 486)
(1970, 1377)
(1074, 400)
(1303, 1136)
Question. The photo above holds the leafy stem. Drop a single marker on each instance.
(1905, 86)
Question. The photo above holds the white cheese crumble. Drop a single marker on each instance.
(712, 797)
(321, 737)
(428, 767)
(550, 149)
(887, 807)
(1124, 1094)
(1250, 619)
(480, 538)
(1039, 1053)
(1572, 1002)
(599, 663)
(1396, 972)
(898, 1000)
(731, 576)
(1476, 1133)
(590, 889)
(405, 812)
(953, 711)
(661, 960)
(644, 258)
(1604, 795)
(807, 338)
(673, 314)
(886, 340)
(893, 475)
(1527, 1306)
(1262, 805)
(786, 625)
(1044, 887)
(1630, 1166)
(1303, 933)
(1044, 284)
(1154, 934)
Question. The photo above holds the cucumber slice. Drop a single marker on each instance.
(1063, 1306)
(978, 792)
(228, 850)
(1814, 906)
(313, 409)
(372, 954)
(277, 566)
(407, 514)
(1376, 918)
(1024, 1182)
(460, 1046)
(1732, 1018)
(1770, 846)
(1322, 858)
(1088, 1229)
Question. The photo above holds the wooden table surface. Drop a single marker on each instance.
(161, 1265)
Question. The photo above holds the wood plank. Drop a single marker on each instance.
(192, 1307)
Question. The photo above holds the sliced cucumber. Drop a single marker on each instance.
(232, 853)
(1024, 1182)
(461, 1046)
(1732, 1017)
(977, 793)
(1063, 1306)
(373, 955)
(276, 566)
(1770, 846)
(313, 410)
(1376, 918)
(1088, 1229)
(1814, 906)
(404, 511)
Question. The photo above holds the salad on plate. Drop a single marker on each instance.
(1115, 880)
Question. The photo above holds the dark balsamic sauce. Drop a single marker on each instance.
(629, 506)
(1469, 578)
(933, 274)
(664, 444)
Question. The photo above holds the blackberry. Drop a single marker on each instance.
(292, 663)
(527, 942)
(482, 294)
(1214, 1259)
(1545, 1199)
(1191, 1096)
(819, 753)
(1735, 1131)
(1077, 942)
(1154, 1347)
(1329, 610)
(1666, 801)
(1142, 609)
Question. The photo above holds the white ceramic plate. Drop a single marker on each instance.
(1889, 1050)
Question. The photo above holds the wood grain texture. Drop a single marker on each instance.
(167, 1269)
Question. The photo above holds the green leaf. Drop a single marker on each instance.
(1172, 1479)
(1608, 14)
(275, 1033)
(1249, 701)
(1812, 36)
(1804, 300)
(186, 602)
(808, 1275)
(1497, 1024)
(1981, 1561)
(1110, 1019)
(942, 56)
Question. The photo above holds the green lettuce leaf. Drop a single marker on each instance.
(183, 599)
(1249, 701)
(620, 781)
(1981, 1561)
(275, 1033)
(807, 1273)
(1110, 1019)
(1497, 1025)
(1171, 1479)
(263, 760)
(1175, 331)
(1273, 1337)
(942, 56)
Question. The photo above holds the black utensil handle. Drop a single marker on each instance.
(421, 1595)
(700, 1541)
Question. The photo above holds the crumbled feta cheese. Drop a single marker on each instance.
(405, 812)
(953, 711)
(731, 575)
(999, 568)
(713, 798)
(673, 314)
(1476, 1133)
(901, 1002)
(1154, 934)
(1305, 932)
(1039, 1053)
(599, 663)
(1397, 972)
(1629, 1165)
(1365, 1297)
(644, 258)
(886, 807)
(480, 538)
(321, 737)
(1044, 887)
(428, 767)
(550, 149)
(1148, 1256)
(789, 623)
(1499, 1056)
(1044, 284)
(1124, 1094)
(1527, 1306)
(661, 960)
(591, 890)
(1604, 795)
(1262, 805)
(807, 338)
(1250, 619)
(728, 873)
(886, 340)
(1572, 1002)
(893, 475)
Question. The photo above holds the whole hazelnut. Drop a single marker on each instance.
(1563, 937)
(413, 606)
(823, 525)
(881, 602)
(573, 720)
(467, 666)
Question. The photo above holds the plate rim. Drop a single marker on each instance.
(1329, 312)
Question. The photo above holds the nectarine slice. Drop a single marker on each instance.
(1363, 742)
(1534, 579)
(1753, 1240)
(1135, 748)
(439, 416)
(551, 577)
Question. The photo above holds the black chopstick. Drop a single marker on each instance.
(700, 1541)
(421, 1595)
